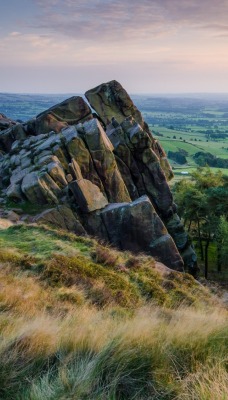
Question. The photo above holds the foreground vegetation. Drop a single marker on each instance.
(79, 320)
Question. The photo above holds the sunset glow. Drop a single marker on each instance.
(151, 46)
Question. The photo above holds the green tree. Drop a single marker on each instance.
(201, 204)
(205, 178)
(222, 241)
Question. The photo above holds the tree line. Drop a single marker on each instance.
(203, 205)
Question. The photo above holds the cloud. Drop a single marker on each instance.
(43, 49)
(114, 20)
(110, 20)
(33, 49)
(151, 43)
(13, 34)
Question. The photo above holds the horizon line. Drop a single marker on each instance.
(131, 93)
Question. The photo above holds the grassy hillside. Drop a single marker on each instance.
(103, 275)
(80, 320)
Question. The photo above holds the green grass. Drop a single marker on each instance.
(105, 275)
(216, 148)
(26, 207)
(80, 320)
(40, 241)
(174, 145)
(191, 138)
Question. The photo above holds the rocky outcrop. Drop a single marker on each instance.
(104, 175)
(111, 101)
(6, 122)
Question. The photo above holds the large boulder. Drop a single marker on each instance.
(87, 195)
(136, 227)
(40, 189)
(142, 172)
(101, 149)
(111, 100)
(61, 217)
(68, 112)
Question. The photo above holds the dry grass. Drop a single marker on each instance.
(86, 271)
(90, 354)
(107, 256)
(209, 382)
(104, 325)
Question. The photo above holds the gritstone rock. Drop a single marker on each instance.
(104, 174)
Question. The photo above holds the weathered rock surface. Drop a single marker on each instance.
(61, 217)
(69, 112)
(104, 161)
(5, 122)
(135, 226)
(107, 179)
(87, 195)
(110, 100)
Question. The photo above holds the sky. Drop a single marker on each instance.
(149, 46)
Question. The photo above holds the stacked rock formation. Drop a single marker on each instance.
(102, 173)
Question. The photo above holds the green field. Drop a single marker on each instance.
(190, 125)
(186, 114)
(174, 145)
(219, 149)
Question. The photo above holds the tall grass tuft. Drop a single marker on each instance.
(89, 354)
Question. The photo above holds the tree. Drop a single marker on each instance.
(222, 240)
(192, 207)
(205, 178)
(202, 203)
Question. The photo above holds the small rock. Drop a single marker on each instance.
(69, 178)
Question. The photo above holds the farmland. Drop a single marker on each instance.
(188, 124)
